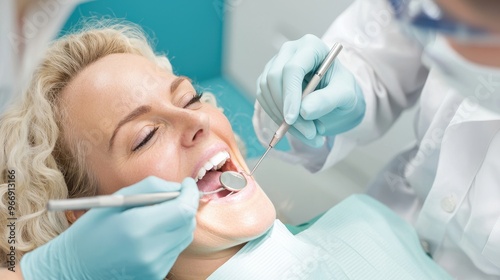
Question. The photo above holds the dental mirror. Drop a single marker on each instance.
(233, 181)
(230, 180)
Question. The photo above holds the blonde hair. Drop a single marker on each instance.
(46, 165)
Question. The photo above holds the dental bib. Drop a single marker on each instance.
(357, 239)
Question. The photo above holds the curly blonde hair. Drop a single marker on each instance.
(46, 165)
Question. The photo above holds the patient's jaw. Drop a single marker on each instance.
(136, 120)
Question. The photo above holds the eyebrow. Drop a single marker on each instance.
(141, 110)
(177, 81)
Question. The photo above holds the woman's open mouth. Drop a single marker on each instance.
(208, 176)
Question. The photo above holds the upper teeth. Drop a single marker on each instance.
(215, 163)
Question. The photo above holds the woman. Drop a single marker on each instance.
(121, 115)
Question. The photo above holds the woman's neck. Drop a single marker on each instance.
(188, 266)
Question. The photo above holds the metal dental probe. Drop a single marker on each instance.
(311, 86)
(116, 200)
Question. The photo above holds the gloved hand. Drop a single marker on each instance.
(336, 106)
(121, 243)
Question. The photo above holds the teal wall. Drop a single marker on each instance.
(188, 31)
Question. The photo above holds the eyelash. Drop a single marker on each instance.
(195, 99)
(146, 139)
(150, 135)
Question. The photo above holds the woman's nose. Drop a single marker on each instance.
(195, 127)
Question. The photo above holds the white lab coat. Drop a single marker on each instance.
(448, 184)
(22, 48)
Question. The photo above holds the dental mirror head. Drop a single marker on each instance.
(233, 181)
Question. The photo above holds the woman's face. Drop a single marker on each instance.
(135, 120)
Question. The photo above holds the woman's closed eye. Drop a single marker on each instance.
(145, 139)
(196, 98)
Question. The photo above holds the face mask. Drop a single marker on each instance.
(480, 84)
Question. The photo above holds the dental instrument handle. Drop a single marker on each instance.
(115, 200)
(311, 86)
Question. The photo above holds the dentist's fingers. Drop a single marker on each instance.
(275, 80)
(325, 101)
(306, 60)
(172, 214)
(339, 93)
(343, 124)
(150, 184)
(265, 96)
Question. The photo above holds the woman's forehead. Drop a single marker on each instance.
(110, 88)
(126, 76)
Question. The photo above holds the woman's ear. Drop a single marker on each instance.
(70, 216)
(73, 215)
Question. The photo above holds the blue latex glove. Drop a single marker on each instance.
(336, 106)
(121, 243)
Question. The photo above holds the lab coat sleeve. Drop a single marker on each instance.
(385, 59)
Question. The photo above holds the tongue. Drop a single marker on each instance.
(210, 181)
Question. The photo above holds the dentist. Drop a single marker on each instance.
(442, 56)
(130, 239)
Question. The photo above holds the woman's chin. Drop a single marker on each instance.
(232, 228)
